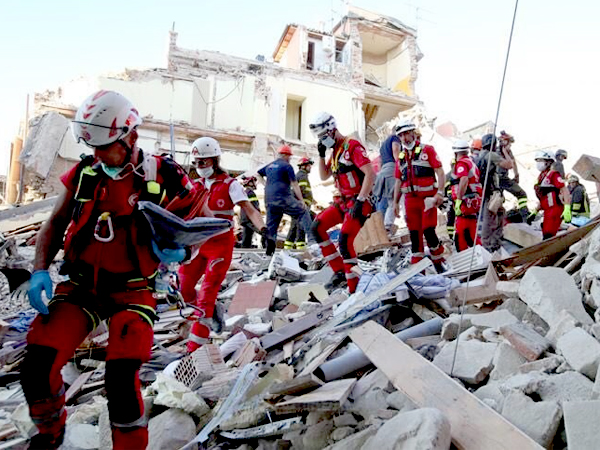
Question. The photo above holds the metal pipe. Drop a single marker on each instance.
(355, 359)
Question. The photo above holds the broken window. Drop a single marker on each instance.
(293, 119)
(339, 51)
(310, 57)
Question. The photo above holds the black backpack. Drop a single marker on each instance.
(482, 163)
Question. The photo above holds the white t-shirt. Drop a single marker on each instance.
(236, 190)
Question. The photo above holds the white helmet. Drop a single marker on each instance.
(544, 154)
(460, 146)
(322, 123)
(404, 125)
(103, 118)
(205, 147)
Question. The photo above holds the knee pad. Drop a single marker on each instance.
(123, 391)
(344, 250)
(314, 230)
(35, 372)
(431, 237)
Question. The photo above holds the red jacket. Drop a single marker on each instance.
(219, 200)
(548, 187)
(104, 231)
(465, 167)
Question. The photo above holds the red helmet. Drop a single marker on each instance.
(305, 161)
(285, 150)
(505, 138)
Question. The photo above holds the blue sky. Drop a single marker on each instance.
(551, 93)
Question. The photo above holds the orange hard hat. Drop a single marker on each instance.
(476, 144)
(285, 150)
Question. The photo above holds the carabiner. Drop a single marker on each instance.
(104, 217)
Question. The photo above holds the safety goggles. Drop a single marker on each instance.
(124, 130)
(203, 162)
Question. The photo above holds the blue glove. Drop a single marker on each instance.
(169, 255)
(39, 281)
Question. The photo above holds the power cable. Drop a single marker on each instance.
(487, 172)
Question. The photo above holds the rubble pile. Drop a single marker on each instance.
(412, 360)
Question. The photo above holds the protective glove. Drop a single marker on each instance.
(356, 211)
(169, 255)
(457, 203)
(531, 217)
(566, 215)
(322, 149)
(40, 281)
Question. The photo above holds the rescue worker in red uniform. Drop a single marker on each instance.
(466, 194)
(214, 257)
(553, 194)
(420, 176)
(111, 262)
(354, 178)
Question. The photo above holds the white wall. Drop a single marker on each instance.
(377, 66)
(398, 67)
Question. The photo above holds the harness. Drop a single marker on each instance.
(546, 191)
(340, 167)
(420, 177)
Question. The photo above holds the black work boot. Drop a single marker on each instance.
(46, 441)
(337, 280)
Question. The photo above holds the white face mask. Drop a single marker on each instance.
(541, 165)
(205, 172)
(328, 141)
(409, 146)
(112, 172)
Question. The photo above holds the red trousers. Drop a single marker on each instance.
(419, 223)
(552, 221)
(466, 232)
(213, 261)
(52, 341)
(345, 259)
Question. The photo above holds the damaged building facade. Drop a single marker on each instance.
(363, 71)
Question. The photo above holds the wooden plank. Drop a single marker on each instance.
(271, 429)
(474, 425)
(297, 327)
(77, 385)
(296, 386)
(550, 247)
(252, 296)
(478, 291)
(328, 397)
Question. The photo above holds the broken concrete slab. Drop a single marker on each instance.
(340, 433)
(494, 319)
(522, 234)
(581, 351)
(473, 360)
(565, 323)
(170, 429)
(453, 326)
(510, 289)
(548, 290)
(525, 340)
(400, 401)
(565, 387)
(423, 429)
(317, 436)
(549, 364)
(539, 420)
(581, 424)
(507, 361)
(491, 395)
(81, 436)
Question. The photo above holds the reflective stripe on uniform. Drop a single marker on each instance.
(332, 256)
(197, 339)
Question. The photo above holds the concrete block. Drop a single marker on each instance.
(400, 401)
(581, 424)
(491, 395)
(161, 430)
(539, 420)
(494, 319)
(507, 361)
(81, 436)
(565, 323)
(548, 290)
(425, 429)
(546, 365)
(510, 289)
(317, 436)
(525, 340)
(450, 328)
(515, 306)
(345, 420)
(354, 441)
(341, 433)
(299, 293)
(473, 360)
(565, 387)
(581, 351)
(596, 388)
